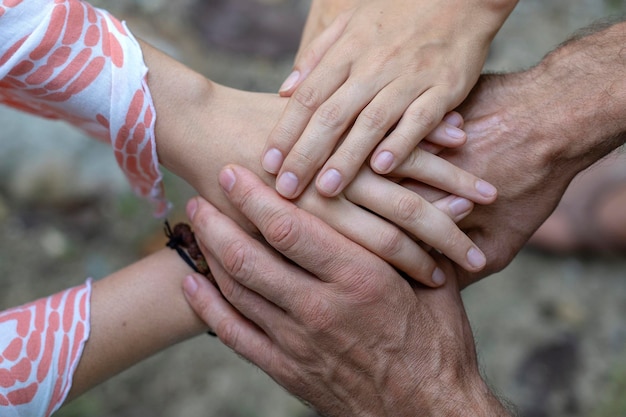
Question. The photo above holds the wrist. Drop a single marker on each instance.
(131, 319)
(179, 95)
(468, 396)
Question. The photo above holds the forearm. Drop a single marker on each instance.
(201, 125)
(135, 313)
(582, 90)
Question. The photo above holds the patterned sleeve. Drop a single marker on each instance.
(64, 59)
(40, 346)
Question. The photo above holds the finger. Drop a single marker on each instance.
(447, 135)
(308, 58)
(455, 207)
(417, 216)
(258, 309)
(455, 119)
(419, 119)
(435, 144)
(301, 106)
(379, 236)
(234, 330)
(300, 236)
(245, 259)
(439, 173)
(326, 127)
(427, 192)
(370, 127)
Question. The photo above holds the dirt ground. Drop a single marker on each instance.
(549, 330)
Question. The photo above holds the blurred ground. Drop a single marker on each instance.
(550, 330)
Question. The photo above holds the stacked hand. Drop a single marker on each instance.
(384, 72)
(329, 324)
(230, 126)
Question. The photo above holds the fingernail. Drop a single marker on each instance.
(330, 181)
(287, 184)
(190, 286)
(459, 206)
(476, 258)
(383, 161)
(192, 206)
(455, 119)
(485, 189)
(455, 132)
(227, 179)
(438, 277)
(272, 160)
(291, 80)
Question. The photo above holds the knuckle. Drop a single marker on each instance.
(391, 242)
(228, 332)
(367, 286)
(307, 97)
(236, 259)
(246, 199)
(322, 315)
(330, 115)
(422, 118)
(454, 241)
(349, 160)
(414, 160)
(300, 158)
(282, 135)
(299, 346)
(375, 118)
(403, 139)
(282, 231)
(408, 209)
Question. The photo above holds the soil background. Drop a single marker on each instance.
(550, 330)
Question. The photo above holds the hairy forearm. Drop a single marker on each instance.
(583, 89)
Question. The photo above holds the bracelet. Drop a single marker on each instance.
(183, 240)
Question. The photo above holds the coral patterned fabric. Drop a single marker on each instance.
(64, 59)
(40, 346)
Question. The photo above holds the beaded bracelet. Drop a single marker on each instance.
(183, 240)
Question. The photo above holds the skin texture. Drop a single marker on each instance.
(124, 308)
(321, 326)
(382, 72)
(131, 319)
(200, 132)
(531, 156)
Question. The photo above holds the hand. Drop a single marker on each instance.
(202, 127)
(527, 146)
(339, 327)
(380, 67)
